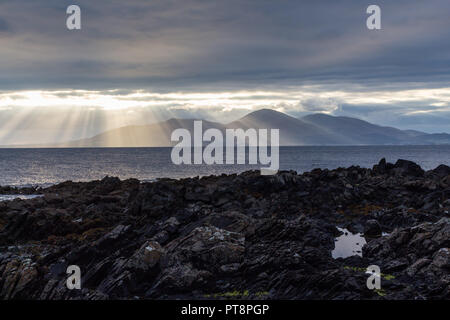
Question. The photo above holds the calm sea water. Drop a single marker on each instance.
(25, 167)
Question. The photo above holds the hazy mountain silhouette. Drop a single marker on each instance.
(293, 131)
(356, 131)
(152, 135)
(314, 129)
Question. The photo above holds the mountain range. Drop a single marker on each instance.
(314, 129)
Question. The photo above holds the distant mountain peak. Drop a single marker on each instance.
(265, 115)
(266, 112)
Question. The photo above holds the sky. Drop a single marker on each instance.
(137, 62)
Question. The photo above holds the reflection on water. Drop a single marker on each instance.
(348, 244)
(43, 167)
(7, 197)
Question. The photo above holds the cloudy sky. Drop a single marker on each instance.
(136, 62)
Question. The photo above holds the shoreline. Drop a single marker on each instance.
(38, 188)
(197, 238)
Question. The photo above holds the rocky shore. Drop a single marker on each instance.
(242, 236)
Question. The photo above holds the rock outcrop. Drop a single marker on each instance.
(241, 236)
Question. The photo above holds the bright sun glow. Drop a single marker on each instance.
(71, 114)
(114, 100)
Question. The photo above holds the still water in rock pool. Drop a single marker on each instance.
(348, 244)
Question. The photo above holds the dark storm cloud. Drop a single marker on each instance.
(192, 45)
(4, 27)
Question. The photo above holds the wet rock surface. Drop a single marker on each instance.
(240, 236)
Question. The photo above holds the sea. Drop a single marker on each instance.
(44, 167)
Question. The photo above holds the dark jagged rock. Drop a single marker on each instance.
(408, 168)
(381, 167)
(241, 236)
(372, 228)
(441, 171)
